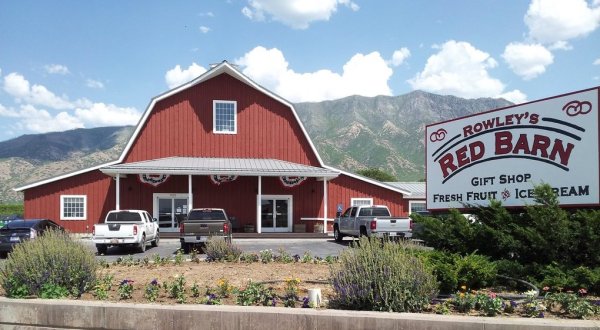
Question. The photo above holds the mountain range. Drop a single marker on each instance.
(353, 133)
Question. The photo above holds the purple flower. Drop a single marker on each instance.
(541, 315)
(305, 302)
(274, 302)
(154, 282)
(513, 303)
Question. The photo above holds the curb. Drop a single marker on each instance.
(58, 314)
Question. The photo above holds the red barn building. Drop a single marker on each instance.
(222, 141)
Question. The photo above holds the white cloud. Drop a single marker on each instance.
(176, 77)
(100, 114)
(204, 29)
(527, 60)
(514, 96)
(17, 86)
(78, 114)
(91, 83)
(4, 112)
(208, 14)
(41, 121)
(597, 61)
(459, 69)
(298, 14)
(56, 69)
(365, 75)
(560, 20)
(562, 45)
(400, 55)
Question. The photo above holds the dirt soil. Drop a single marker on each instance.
(208, 275)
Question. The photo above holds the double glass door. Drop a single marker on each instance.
(170, 210)
(276, 213)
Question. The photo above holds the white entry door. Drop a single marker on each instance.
(276, 213)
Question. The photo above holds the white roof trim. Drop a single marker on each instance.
(371, 181)
(64, 176)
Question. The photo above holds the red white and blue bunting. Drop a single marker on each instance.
(291, 181)
(153, 179)
(218, 179)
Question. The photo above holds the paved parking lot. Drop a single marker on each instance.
(320, 247)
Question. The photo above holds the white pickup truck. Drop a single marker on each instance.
(126, 228)
(371, 221)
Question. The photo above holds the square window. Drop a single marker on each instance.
(225, 117)
(417, 206)
(73, 207)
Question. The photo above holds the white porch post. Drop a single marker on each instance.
(118, 193)
(324, 205)
(190, 196)
(258, 206)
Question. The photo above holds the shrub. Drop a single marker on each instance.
(381, 276)
(555, 277)
(475, 271)
(218, 249)
(444, 269)
(54, 260)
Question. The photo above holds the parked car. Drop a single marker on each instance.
(8, 218)
(202, 224)
(126, 228)
(371, 221)
(19, 230)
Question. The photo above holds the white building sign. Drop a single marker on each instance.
(502, 154)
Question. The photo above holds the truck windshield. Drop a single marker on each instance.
(206, 215)
(374, 212)
(123, 217)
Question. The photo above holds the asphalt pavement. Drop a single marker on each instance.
(167, 248)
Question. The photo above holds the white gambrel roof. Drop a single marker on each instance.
(219, 166)
(223, 67)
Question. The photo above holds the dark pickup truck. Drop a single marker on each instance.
(202, 224)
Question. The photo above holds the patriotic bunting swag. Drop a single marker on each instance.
(291, 181)
(153, 179)
(218, 179)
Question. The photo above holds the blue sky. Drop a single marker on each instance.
(72, 64)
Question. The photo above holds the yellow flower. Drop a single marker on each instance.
(463, 287)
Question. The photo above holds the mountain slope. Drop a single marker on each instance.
(352, 133)
(30, 158)
(383, 132)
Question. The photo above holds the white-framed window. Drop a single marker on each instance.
(361, 201)
(416, 206)
(73, 207)
(224, 117)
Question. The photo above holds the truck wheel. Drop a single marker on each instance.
(185, 247)
(156, 239)
(142, 246)
(102, 248)
(363, 232)
(337, 235)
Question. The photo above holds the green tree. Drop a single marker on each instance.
(377, 174)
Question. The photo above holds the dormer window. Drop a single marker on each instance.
(225, 117)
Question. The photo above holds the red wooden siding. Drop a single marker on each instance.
(44, 201)
(344, 187)
(182, 125)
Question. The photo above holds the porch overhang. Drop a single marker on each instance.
(219, 166)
